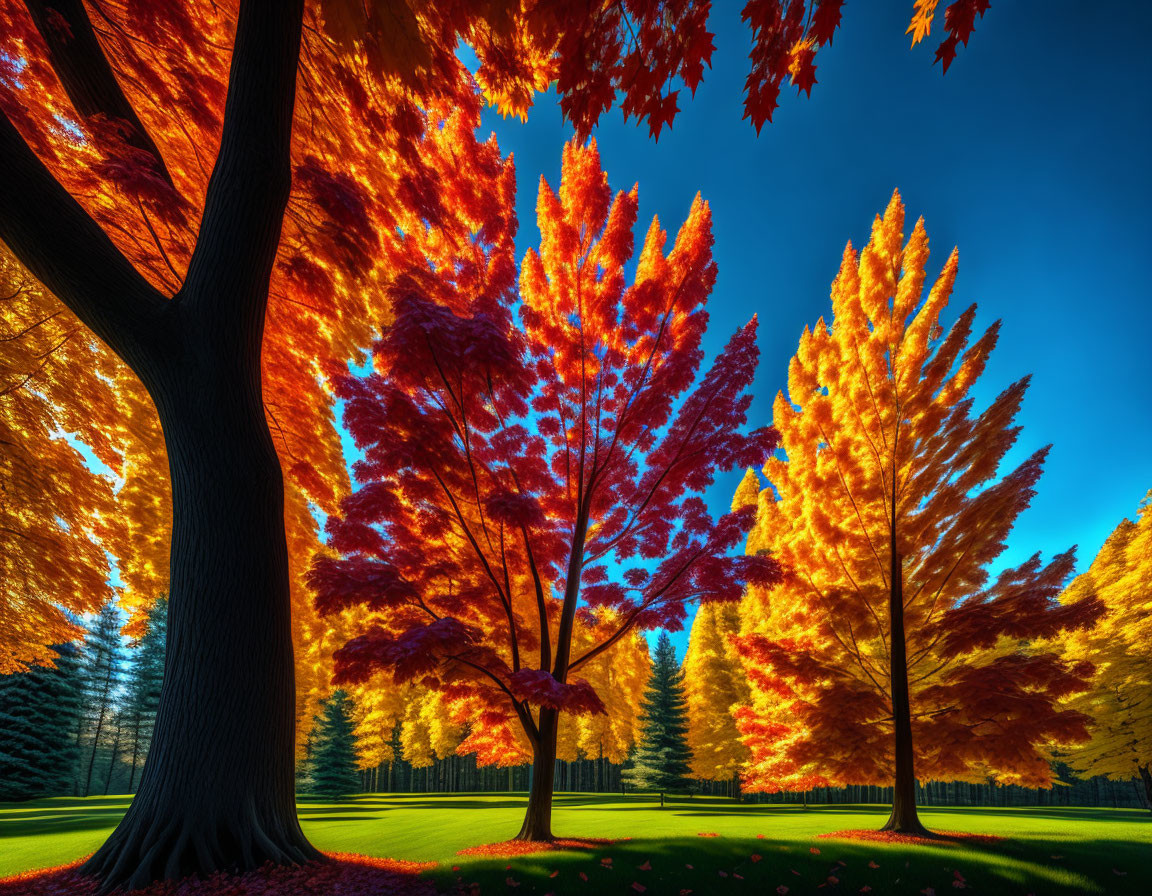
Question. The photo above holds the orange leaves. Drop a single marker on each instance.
(921, 24)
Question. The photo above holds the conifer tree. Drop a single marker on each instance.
(39, 713)
(334, 767)
(661, 762)
(102, 674)
(145, 677)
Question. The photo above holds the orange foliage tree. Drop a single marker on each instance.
(529, 495)
(888, 652)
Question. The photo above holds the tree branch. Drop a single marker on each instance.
(248, 191)
(68, 252)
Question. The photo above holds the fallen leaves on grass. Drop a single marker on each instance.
(346, 873)
(525, 847)
(935, 838)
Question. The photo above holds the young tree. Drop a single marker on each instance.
(526, 479)
(103, 657)
(39, 714)
(887, 652)
(662, 759)
(1120, 645)
(334, 764)
(145, 679)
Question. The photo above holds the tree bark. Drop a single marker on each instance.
(1146, 777)
(904, 818)
(217, 790)
(538, 818)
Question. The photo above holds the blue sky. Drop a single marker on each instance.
(1030, 155)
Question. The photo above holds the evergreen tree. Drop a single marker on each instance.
(39, 712)
(334, 768)
(145, 677)
(661, 762)
(102, 673)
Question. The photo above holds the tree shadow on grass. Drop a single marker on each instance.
(724, 865)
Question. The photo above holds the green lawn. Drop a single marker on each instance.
(1048, 850)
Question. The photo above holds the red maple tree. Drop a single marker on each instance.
(533, 469)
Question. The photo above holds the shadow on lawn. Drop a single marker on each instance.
(723, 865)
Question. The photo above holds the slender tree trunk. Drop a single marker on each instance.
(538, 818)
(904, 819)
(112, 759)
(104, 697)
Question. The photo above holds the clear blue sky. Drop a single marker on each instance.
(1031, 155)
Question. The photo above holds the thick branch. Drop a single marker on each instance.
(84, 71)
(248, 191)
(48, 231)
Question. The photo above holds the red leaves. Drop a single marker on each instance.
(959, 21)
(343, 873)
(540, 688)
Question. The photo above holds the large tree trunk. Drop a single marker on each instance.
(217, 788)
(1146, 777)
(538, 819)
(904, 819)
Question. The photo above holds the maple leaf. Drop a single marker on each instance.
(801, 65)
(921, 24)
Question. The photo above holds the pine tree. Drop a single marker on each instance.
(39, 711)
(102, 673)
(334, 768)
(661, 762)
(145, 677)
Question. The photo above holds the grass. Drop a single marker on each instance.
(1046, 850)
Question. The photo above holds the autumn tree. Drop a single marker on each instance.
(222, 262)
(714, 680)
(662, 758)
(1120, 645)
(888, 651)
(533, 470)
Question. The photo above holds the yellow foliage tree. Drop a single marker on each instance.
(1120, 701)
(887, 652)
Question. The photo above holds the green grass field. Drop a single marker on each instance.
(1046, 850)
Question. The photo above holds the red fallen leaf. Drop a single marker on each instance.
(647, 866)
(507, 867)
(872, 864)
(833, 879)
(554, 874)
(794, 871)
(738, 876)
(781, 889)
(708, 834)
(759, 836)
(723, 873)
(511, 882)
(841, 863)
(583, 876)
(958, 876)
(689, 867)
(813, 850)
(865, 889)
(455, 867)
(755, 857)
(607, 861)
(638, 887)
